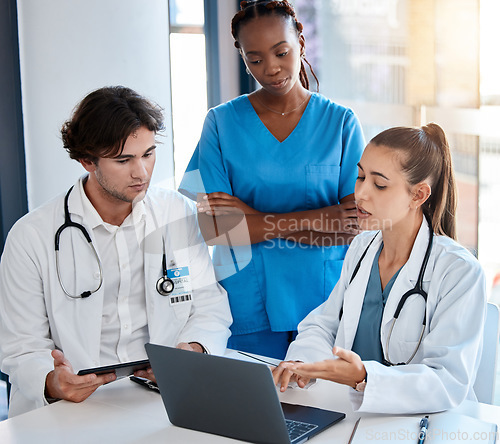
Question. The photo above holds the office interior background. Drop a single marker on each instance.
(394, 62)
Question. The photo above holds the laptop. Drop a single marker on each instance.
(232, 398)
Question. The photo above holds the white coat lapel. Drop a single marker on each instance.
(408, 275)
(153, 246)
(159, 239)
(80, 261)
(405, 281)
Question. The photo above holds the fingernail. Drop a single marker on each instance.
(205, 197)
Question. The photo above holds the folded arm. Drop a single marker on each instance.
(226, 220)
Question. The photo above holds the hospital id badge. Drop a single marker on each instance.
(182, 285)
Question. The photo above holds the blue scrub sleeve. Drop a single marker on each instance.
(353, 143)
(206, 172)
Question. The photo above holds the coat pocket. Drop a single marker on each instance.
(245, 298)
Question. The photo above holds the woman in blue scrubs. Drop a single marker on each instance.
(276, 171)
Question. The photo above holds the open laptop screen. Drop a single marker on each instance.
(226, 396)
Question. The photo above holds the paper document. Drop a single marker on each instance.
(443, 427)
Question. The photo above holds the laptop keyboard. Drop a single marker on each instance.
(297, 429)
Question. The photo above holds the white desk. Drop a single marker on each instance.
(124, 412)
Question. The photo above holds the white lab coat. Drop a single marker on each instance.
(443, 371)
(36, 316)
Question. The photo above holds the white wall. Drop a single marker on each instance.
(71, 47)
(229, 56)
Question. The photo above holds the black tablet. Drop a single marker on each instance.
(123, 369)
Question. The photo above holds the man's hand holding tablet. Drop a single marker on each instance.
(63, 383)
(121, 370)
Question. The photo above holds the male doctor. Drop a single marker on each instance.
(143, 275)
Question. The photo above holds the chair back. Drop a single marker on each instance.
(484, 387)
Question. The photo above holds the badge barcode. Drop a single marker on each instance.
(181, 298)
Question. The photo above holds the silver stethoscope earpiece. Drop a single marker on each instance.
(164, 285)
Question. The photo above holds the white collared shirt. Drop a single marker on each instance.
(124, 321)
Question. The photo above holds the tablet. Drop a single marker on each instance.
(122, 369)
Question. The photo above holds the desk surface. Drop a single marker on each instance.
(125, 412)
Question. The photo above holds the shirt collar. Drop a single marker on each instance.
(417, 254)
(80, 205)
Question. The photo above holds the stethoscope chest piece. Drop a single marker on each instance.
(165, 286)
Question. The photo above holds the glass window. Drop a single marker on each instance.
(186, 14)
(489, 149)
(188, 78)
(410, 62)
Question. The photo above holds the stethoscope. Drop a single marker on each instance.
(417, 289)
(164, 285)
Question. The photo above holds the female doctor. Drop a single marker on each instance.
(403, 327)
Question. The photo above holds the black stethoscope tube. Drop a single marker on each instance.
(417, 289)
(68, 223)
(164, 286)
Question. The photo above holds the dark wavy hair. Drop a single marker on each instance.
(426, 156)
(104, 119)
(254, 9)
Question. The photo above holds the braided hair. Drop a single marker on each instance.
(258, 8)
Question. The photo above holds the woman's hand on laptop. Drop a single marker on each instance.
(283, 375)
(346, 368)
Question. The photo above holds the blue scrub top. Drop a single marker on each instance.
(367, 340)
(276, 283)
